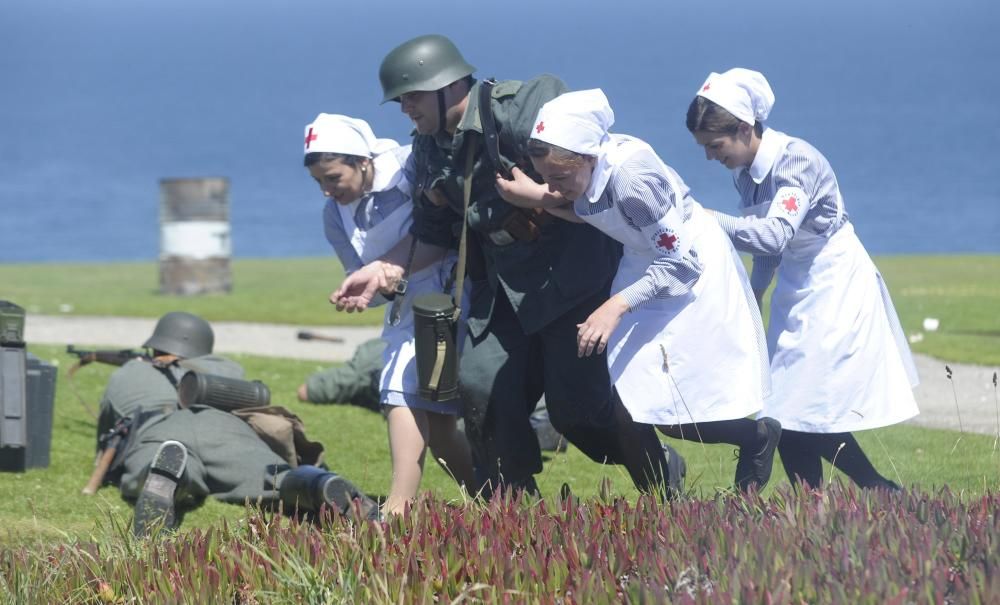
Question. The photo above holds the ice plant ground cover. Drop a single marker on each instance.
(837, 545)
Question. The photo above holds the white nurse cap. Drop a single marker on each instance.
(334, 133)
(742, 92)
(577, 121)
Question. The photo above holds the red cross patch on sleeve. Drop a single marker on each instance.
(668, 236)
(791, 204)
(666, 239)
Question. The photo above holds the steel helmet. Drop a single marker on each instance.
(182, 334)
(424, 63)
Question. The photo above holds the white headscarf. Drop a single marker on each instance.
(334, 133)
(577, 121)
(742, 92)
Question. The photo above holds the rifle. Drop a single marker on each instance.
(305, 335)
(109, 356)
(110, 443)
(115, 358)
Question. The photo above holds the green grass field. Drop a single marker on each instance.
(963, 292)
(44, 504)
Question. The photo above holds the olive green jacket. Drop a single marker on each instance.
(543, 278)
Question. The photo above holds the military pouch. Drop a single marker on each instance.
(435, 329)
(524, 224)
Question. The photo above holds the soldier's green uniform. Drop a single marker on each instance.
(356, 382)
(226, 458)
(526, 296)
(220, 454)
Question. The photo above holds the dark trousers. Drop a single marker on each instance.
(801, 455)
(504, 372)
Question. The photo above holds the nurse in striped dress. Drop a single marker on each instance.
(368, 212)
(839, 359)
(684, 341)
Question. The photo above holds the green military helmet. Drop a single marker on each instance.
(182, 334)
(424, 63)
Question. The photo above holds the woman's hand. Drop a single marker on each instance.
(357, 291)
(594, 333)
(521, 191)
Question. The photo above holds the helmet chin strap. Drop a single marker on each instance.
(441, 112)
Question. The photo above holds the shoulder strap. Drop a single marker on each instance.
(491, 138)
(470, 160)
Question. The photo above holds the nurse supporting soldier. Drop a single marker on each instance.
(368, 212)
(532, 279)
(839, 359)
(683, 335)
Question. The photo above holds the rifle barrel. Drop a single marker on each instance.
(306, 335)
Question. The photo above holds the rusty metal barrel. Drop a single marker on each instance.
(195, 245)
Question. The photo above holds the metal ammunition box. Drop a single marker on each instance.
(11, 324)
(27, 396)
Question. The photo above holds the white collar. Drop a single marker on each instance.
(602, 171)
(612, 153)
(388, 171)
(772, 143)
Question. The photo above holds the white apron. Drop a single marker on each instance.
(715, 360)
(398, 384)
(838, 362)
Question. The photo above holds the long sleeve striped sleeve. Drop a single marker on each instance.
(644, 197)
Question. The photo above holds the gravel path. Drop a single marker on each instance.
(972, 386)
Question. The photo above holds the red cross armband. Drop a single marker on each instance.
(791, 204)
(668, 237)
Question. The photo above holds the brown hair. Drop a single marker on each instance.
(707, 116)
(558, 155)
(316, 157)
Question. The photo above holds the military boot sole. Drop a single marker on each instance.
(155, 507)
(339, 493)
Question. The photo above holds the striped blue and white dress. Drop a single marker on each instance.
(839, 359)
(691, 349)
(363, 231)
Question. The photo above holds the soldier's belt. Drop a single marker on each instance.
(522, 225)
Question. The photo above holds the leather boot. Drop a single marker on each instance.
(753, 469)
(155, 510)
(308, 487)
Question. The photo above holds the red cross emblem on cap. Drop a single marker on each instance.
(540, 127)
(310, 137)
(666, 240)
(706, 87)
(790, 204)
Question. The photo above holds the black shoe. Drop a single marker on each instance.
(155, 507)
(753, 470)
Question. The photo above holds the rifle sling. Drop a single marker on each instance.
(491, 139)
(470, 161)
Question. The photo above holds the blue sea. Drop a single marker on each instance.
(100, 99)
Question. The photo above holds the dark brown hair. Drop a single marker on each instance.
(707, 116)
(564, 157)
(323, 156)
